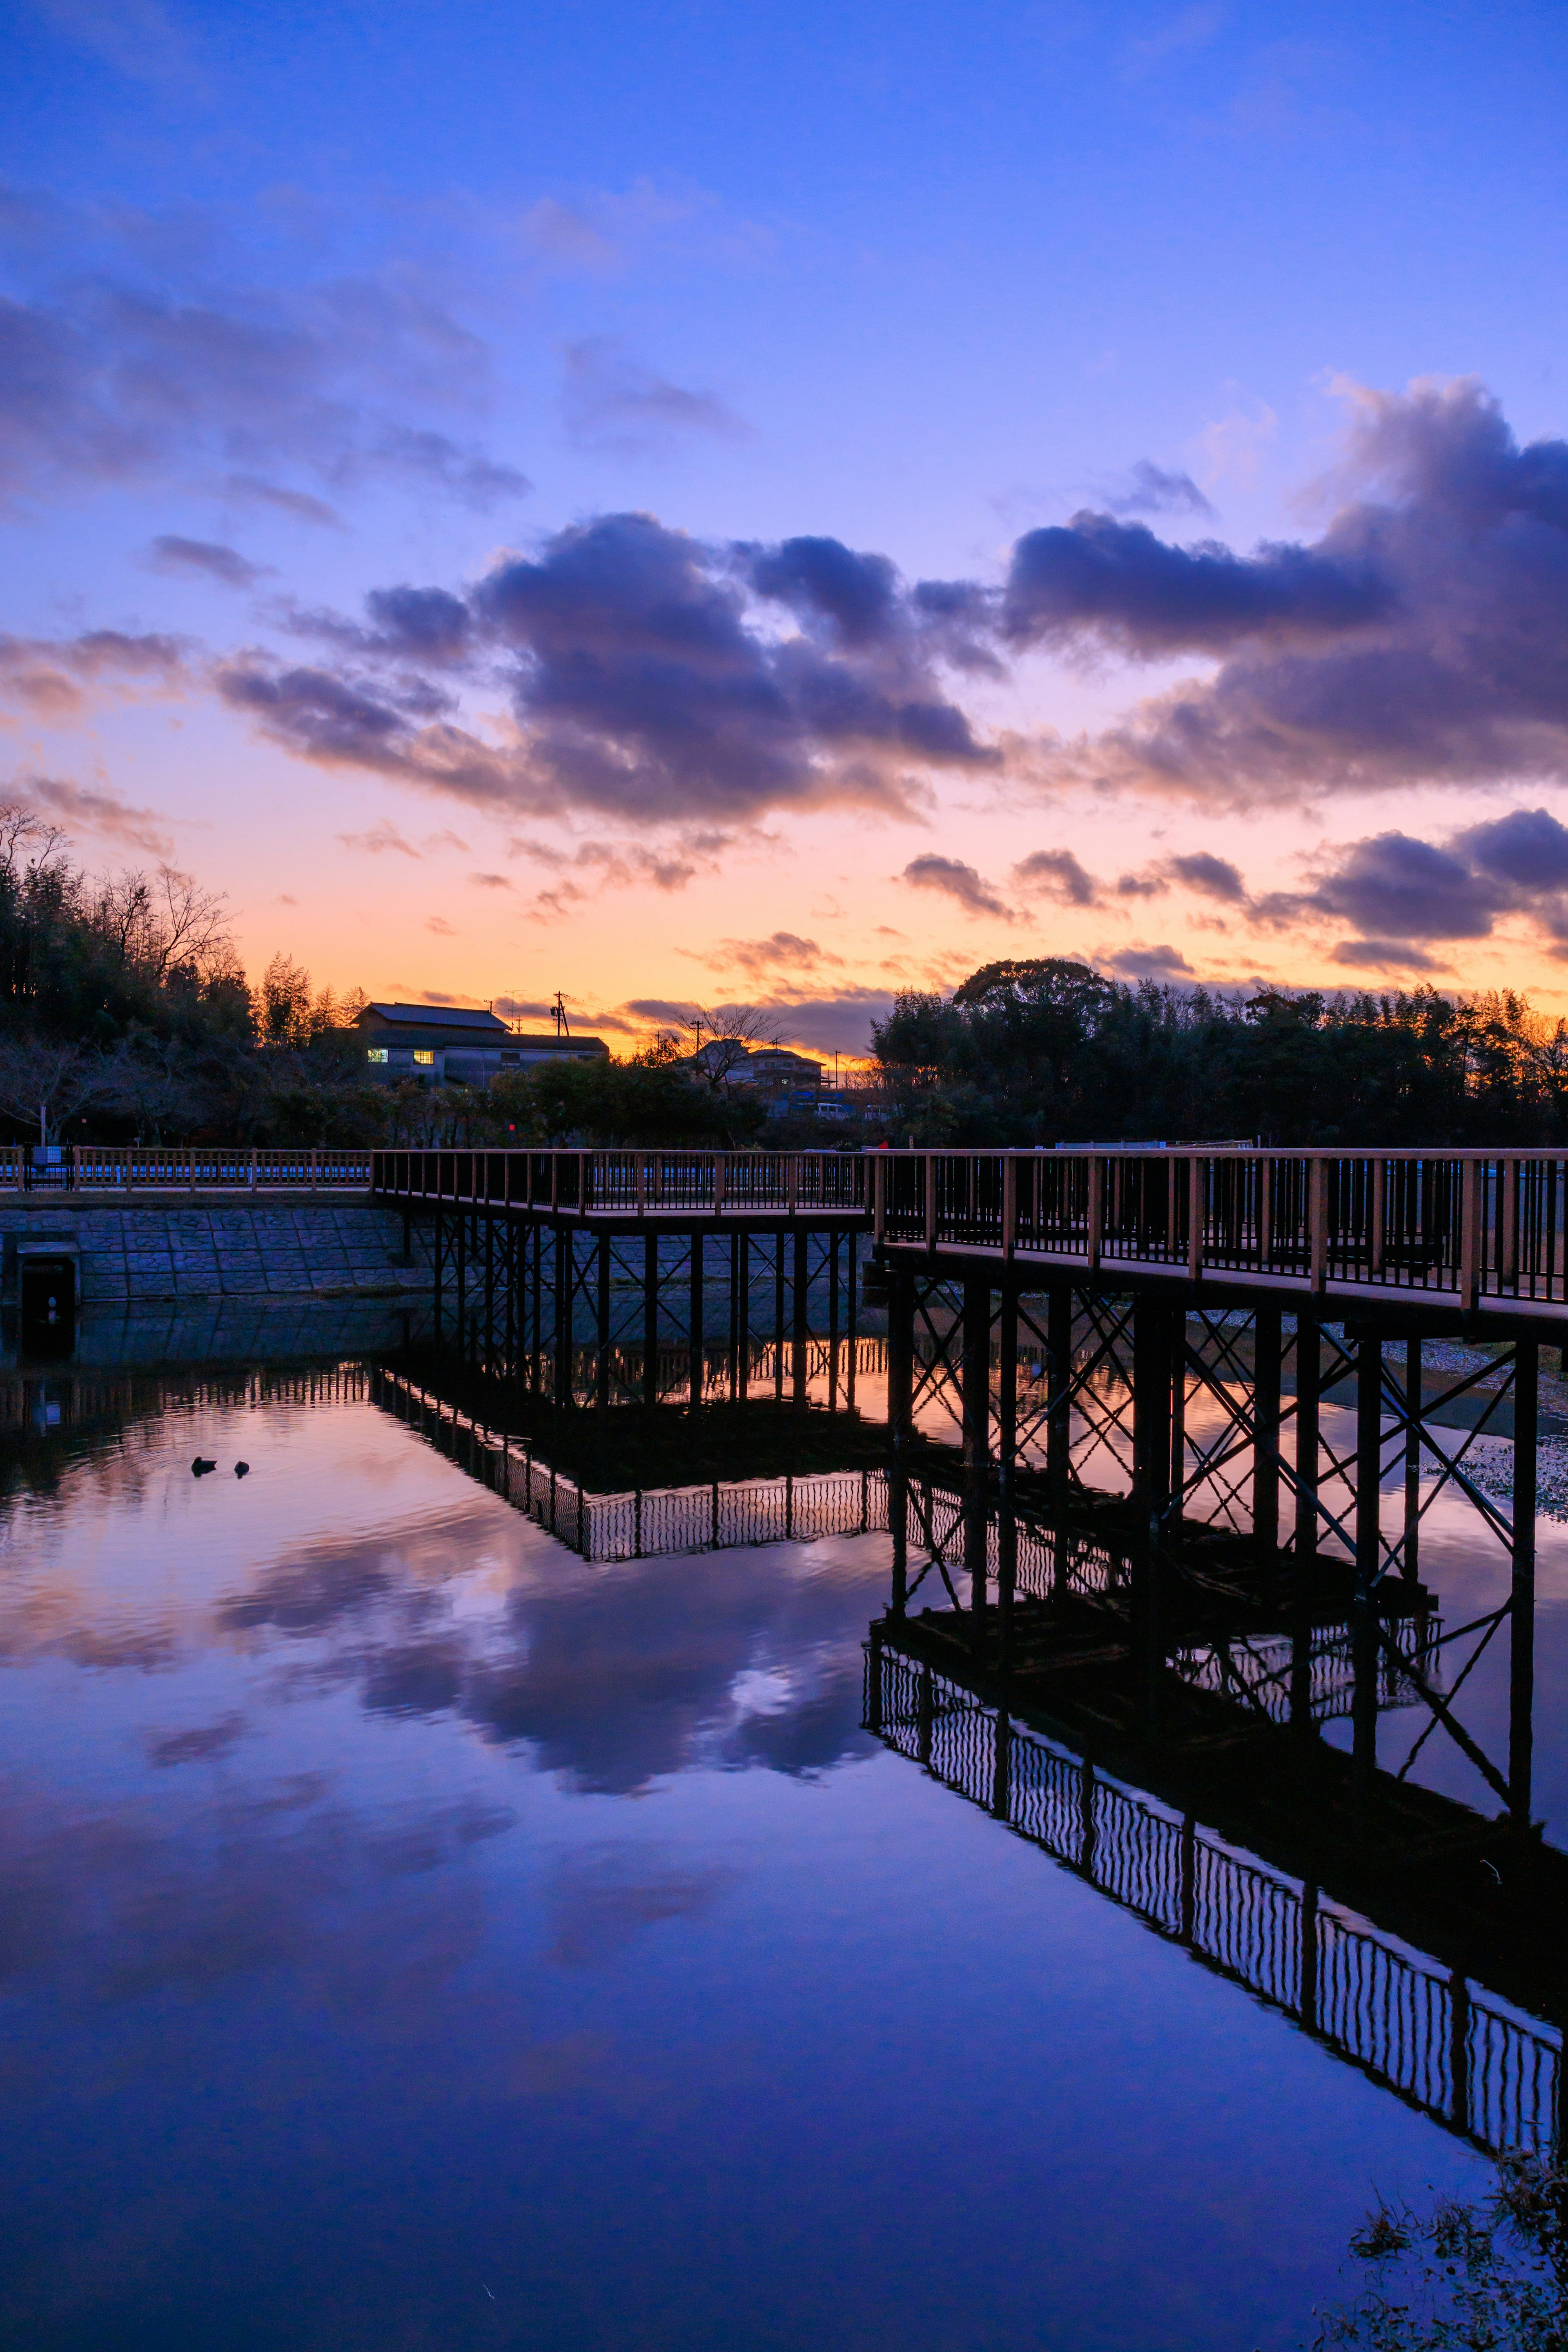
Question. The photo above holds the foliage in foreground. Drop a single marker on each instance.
(1486, 2277)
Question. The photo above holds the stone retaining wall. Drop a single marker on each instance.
(226, 1249)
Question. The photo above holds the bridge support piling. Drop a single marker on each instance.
(900, 1403)
(1309, 1377)
(1266, 1344)
(736, 1319)
(601, 1330)
(536, 1315)
(694, 1350)
(1368, 1554)
(1410, 1549)
(1152, 1322)
(1059, 1395)
(802, 1290)
(563, 1270)
(650, 1319)
(851, 1316)
(1521, 1610)
(1007, 1472)
(833, 1322)
(977, 1371)
(778, 1316)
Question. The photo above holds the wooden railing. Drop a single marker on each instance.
(181, 1168)
(1463, 1224)
(632, 1184)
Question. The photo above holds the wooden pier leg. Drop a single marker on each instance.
(695, 1354)
(976, 1402)
(1058, 1396)
(650, 1319)
(1410, 1549)
(1308, 1381)
(744, 1282)
(564, 1270)
(851, 1318)
(1152, 1352)
(438, 1246)
(512, 1237)
(601, 1334)
(1521, 1618)
(490, 1295)
(900, 1422)
(536, 1319)
(735, 1319)
(779, 1313)
(833, 1320)
(1006, 1475)
(1368, 1555)
(462, 1284)
(801, 1304)
(1266, 1438)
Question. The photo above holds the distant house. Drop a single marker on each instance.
(772, 1070)
(455, 1046)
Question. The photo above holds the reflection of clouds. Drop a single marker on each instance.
(368, 1564)
(203, 1744)
(604, 1898)
(116, 1906)
(614, 1675)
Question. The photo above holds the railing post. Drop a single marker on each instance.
(315, 1170)
(1194, 1219)
(1096, 1233)
(1471, 1253)
(931, 1200)
(1009, 1205)
(640, 1167)
(584, 1186)
(792, 1182)
(878, 1197)
(1318, 1219)
(718, 1168)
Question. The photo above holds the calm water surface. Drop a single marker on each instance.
(413, 1937)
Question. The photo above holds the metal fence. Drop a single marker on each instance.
(178, 1168)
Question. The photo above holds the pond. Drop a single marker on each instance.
(416, 1935)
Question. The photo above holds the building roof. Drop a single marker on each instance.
(446, 1017)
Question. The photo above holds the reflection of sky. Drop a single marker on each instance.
(414, 1935)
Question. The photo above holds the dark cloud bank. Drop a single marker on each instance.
(657, 678)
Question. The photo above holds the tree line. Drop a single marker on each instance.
(126, 1016)
(1044, 1050)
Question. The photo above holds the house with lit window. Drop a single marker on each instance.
(455, 1045)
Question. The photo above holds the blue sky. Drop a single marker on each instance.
(306, 306)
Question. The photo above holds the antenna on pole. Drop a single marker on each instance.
(563, 1026)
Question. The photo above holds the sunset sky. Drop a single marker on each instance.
(683, 504)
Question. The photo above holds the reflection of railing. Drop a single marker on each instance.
(645, 1523)
(1257, 1669)
(75, 1397)
(1434, 2038)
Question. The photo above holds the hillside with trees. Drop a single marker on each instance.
(1049, 1051)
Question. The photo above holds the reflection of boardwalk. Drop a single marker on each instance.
(1441, 2044)
(643, 1523)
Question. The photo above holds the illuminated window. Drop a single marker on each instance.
(425, 1061)
(376, 1054)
